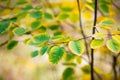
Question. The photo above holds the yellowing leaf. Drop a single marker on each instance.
(5, 12)
(89, 7)
(89, 1)
(76, 47)
(116, 38)
(87, 15)
(97, 43)
(104, 50)
(113, 46)
(99, 35)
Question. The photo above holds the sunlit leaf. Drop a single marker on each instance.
(76, 47)
(39, 40)
(12, 44)
(19, 31)
(97, 43)
(87, 15)
(113, 45)
(116, 38)
(56, 54)
(99, 35)
(60, 38)
(42, 38)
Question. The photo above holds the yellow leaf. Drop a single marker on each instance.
(5, 12)
(87, 15)
(89, 1)
(16, 10)
(116, 38)
(97, 43)
(99, 35)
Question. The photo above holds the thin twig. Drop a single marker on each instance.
(2, 44)
(115, 5)
(82, 31)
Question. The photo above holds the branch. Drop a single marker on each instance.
(4, 43)
(82, 31)
(115, 5)
(93, 32)
(114, 67)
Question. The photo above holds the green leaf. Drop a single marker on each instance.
(35, 25)
(60, 39)
(48, 15)
(54, 27)
(42, 29)
(62, 16)
(41, 38)
(76, 47)
(34, 53)
(21, 2)
(19, 31)
(4, 25)
(97, 43)
(56, 54)
(27, 8)
(108, 22)
(86, 69)
(43, 50)
(68, 73)
(56, 33)
(113, 46)
(69, 57)
(104, 8)
(69, 64)
(37, 14)
(66, 9)
(12, 44)
(74, 17)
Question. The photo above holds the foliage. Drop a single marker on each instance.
(46, 27)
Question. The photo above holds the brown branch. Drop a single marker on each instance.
(93, 32)
(82, 31)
